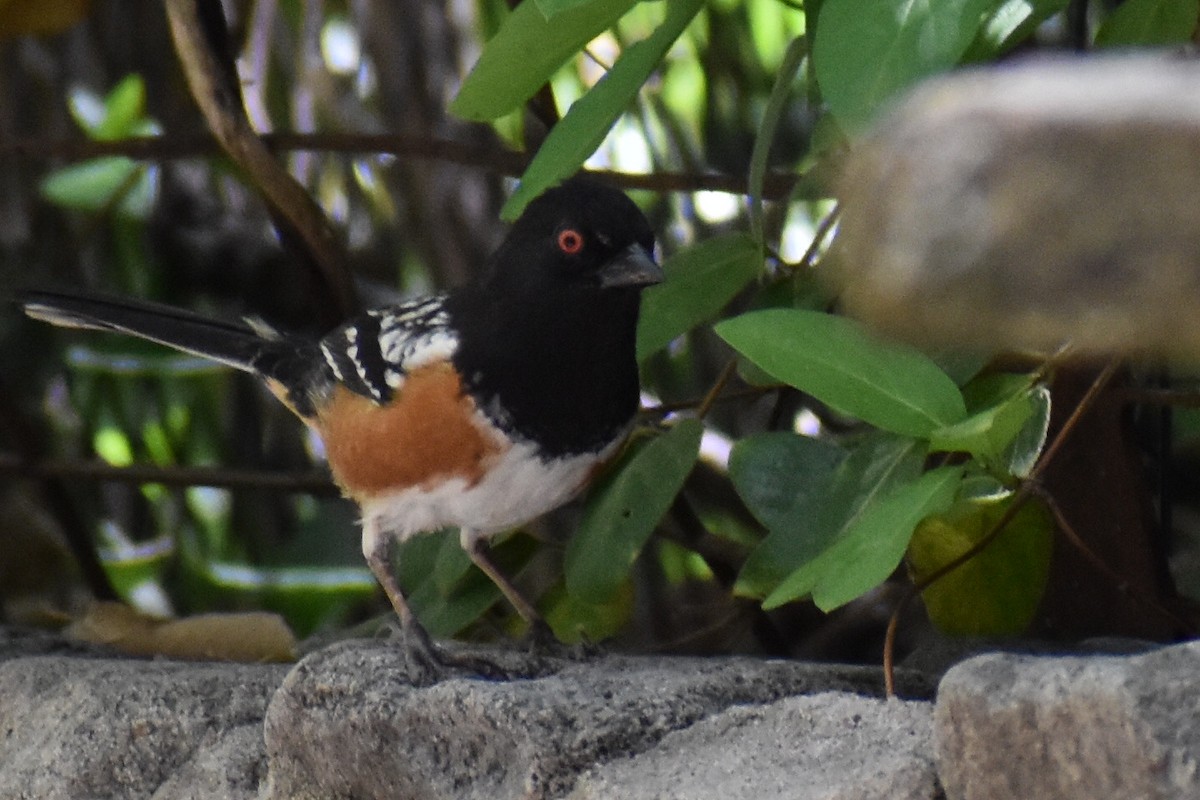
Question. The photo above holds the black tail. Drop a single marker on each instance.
(238, 345)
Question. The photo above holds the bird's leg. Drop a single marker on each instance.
(431, 661)
(377, 548)
(540, 634)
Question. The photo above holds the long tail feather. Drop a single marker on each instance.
(237, 345)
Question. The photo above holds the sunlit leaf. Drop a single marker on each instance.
(112, 445)
(1010, 23)
(832, 358)
(101, 184)
(625, 509)
(526, 51)
(997, 592)
(124, 108)
(700, 281)
(588, 121)
(872, 549)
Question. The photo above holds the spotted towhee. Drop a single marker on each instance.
(482, 408)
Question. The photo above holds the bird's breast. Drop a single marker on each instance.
(427, 433)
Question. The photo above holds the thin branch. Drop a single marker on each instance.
(776, 186)
(1027, 490)
(819, 235)
(213, 85)
(715, 390)
(1125, 587)
(750, 392)
(318, 484)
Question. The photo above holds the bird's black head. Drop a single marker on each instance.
(547, 338)
(581, 236)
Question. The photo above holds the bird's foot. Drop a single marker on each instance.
(428, 662)
(543, 644)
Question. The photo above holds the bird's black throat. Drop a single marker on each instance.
(560, 369)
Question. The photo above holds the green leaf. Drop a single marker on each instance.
(1010, 23)
(451, 565)
(123, 110)
(1149, 23)
(552, 8)
(700, 281)
(526, 51)
(997, 592)
(891, 386)
(573, 620)
(623, 512)
(872, 549)
(782, 478)
(448, 596)
(825, 511)
(1022, 454)
(867, 50)
(89, 185)
(988, 433)
(587, 122)
(1018, 456)
(117, 115)
(780, 475)
(415, 559)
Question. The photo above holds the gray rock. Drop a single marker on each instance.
(347, 722)
(1023, 205)
(829, 746)
(1009, 726)
(105, 728)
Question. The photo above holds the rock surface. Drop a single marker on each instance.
(831, 746)
(116, 728)
(1096, 727)
(346, 723)
(1026, 204)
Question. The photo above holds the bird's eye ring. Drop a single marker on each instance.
(570, 241)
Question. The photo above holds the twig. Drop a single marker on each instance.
(220, 103)
(1096, 561)
(662, 409)
(819, 235)
(715, 390)
(1027, 490)
(776, 186)
(220, 477)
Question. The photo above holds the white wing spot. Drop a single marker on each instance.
(331, 362)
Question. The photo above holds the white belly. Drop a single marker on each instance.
(518, 488)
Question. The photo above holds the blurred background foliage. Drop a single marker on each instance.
(728, 121)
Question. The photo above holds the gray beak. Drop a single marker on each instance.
(631, 267)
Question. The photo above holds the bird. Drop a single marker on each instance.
(480, 408)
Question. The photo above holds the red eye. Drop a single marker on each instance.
(570, 241)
